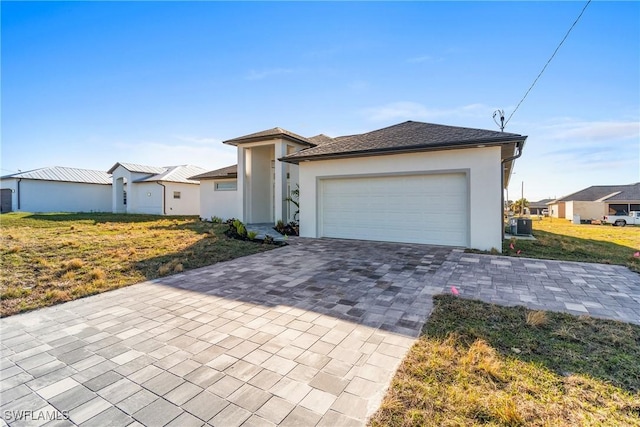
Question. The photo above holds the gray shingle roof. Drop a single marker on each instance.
(132, 167)
(540, 203)
(405, 136)
(64, 174)
(226, 172)
(607, 193)
(321, 139)
(181, 174)
(269, 134)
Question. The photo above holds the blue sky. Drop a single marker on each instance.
(88, 84)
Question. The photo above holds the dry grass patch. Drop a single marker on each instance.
(51, 258)
(98, 274)
(536, 318)
(73, 264)
(464, 371)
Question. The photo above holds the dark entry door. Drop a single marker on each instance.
(5, 200)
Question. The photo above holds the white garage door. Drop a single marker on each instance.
(429, 209)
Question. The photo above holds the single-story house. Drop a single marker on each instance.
(536, 208)
(155, 190)
(56, 189)
(597, 201)
(218, 192)
(412, 182)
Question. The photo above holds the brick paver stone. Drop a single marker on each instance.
(307, 334)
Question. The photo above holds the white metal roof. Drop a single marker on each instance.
(180, 173)
(132, 167)
(64, 174)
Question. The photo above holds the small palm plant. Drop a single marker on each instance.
(294, 198)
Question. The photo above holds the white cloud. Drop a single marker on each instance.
(408, 110)
(267, 72)
(594, 131)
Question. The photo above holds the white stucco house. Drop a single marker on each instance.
(154, 190)
(56, 189)
(597, 201)
(412, 182)
(219, 193)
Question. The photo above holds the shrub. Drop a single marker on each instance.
(236, 229)
(173, 266)
(164, 270)
(252, 234)
(290, 229)
(216, 220)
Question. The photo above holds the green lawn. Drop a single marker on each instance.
(482, 364)
(560, 239)
(50, 258)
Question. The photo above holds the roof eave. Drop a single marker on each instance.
(403, 150)
(240, 141)
(200, 178)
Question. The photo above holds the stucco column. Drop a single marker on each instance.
(281, 181)
(116, 187)
(241, 187)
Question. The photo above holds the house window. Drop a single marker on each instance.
(176, 194)
(226, 186)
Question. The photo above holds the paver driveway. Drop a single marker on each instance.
(309, 334)
(303, 335)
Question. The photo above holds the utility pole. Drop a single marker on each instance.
(522, 200)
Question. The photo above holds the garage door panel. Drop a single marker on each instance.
(413, 208)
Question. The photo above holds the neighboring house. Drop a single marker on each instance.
(412, 182)
(155, 190)
(597, 201)
(56, 189)
(536, 208)
(219, 193)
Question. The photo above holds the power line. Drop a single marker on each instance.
(545, 65)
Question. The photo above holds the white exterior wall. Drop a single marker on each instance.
(148, 198)
(481, 164)
(57, 196)
(222, 203)
(568, 210)
(586, 210)
(144, 198)
(558, 210)
(132, 199)
(262, 186)
(189, 201)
